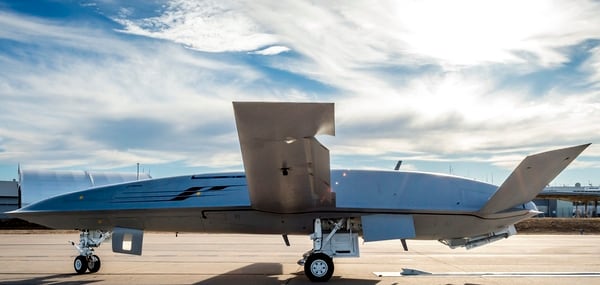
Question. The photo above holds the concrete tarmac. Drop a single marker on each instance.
(47, 258)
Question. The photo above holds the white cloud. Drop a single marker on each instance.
(55, 99)
(217, 26)
(455, 110)
(592, 67)
(351, 37)
(458, 113)
(456, 33)
(45, 33)
(351, 40)
(472, 32)
(272, 50)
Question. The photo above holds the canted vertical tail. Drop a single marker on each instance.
(530, 177)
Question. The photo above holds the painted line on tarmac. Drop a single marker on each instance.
(413, 272)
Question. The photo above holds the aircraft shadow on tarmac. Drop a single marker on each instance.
(267, 273)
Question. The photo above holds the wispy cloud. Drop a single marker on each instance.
(592, 68)
(213, 26)
(272, 50)
(110, 106)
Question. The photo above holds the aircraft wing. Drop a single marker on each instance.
(287, 169)
(530, 178)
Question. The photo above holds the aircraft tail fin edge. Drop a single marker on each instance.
(530, 177)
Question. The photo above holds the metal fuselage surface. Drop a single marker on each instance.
(441, 206)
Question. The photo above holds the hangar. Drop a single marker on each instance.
(36, 185)
(9, 197)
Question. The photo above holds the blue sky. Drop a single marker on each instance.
(467, 87)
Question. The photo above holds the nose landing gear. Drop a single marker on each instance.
(84, 263)
(87, 260)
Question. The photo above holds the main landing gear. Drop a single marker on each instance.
(339, 241)
(87, 260)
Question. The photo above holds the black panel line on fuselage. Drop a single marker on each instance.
(181, 196)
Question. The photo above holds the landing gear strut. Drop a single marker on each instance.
(87, 260)
(318, 262)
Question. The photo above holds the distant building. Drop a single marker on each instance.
(9, 197)
(555, 208)
(37, 185)
(569, 201)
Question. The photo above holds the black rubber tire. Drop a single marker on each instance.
(80, 264)
(93, 263)
(318, 267)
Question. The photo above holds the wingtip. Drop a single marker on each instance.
(578, 149)
(582, 147)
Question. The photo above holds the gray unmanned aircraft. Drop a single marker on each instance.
(289, 188)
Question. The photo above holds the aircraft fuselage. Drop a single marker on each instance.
(441, 206)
